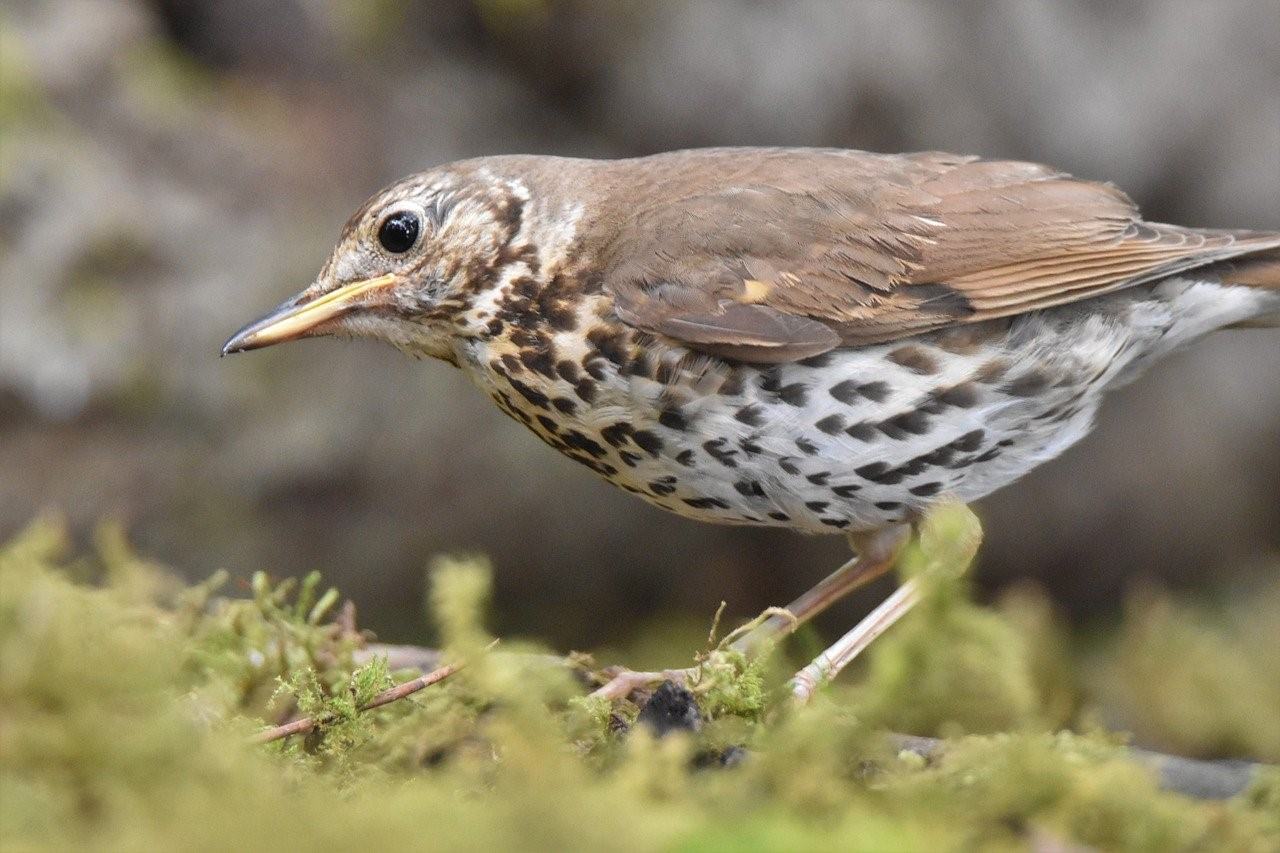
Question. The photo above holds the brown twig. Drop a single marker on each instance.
(307, 724)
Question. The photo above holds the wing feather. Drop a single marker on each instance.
(776, 254)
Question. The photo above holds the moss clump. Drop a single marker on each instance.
(1194, 680)
(128, 702)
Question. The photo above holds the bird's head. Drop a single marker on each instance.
(407, 265)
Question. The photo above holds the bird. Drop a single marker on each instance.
(826, 340)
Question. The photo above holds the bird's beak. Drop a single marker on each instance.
(297, 319)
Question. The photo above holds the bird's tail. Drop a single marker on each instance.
(1261, 270)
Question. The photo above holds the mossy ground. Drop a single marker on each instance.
(128, 701)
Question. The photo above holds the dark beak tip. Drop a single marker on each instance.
(231, 346)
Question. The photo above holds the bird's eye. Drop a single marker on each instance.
(398, 232)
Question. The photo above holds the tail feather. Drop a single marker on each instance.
(1261, 270)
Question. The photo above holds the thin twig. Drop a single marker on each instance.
(413, 685)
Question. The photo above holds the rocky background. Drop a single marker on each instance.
(171, 168)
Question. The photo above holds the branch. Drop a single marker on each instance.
(307, 724)
(1202, 780)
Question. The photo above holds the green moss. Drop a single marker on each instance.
(1192, 680)
(128, 702)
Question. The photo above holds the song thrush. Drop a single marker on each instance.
(824, 340)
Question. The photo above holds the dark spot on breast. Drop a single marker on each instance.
(511, 364)
(888, 506)
(795, 394)
(993, 453)
(915, 358)
(750, 448)
(779, 516)
(706, 503)
(969, 339)
(880, 472)
(770, 380)
(962, 396)
(1027, 385)
(846, 392)
(524, 338)
(862, 431)
(819, 479)
(992, 371)
(509, 213)
(525, 287)
(940, 456)
(494, 327)
(641, 364)
(787, 463)
(565, 405)
(685, 457)
(831, 424)
(806, 446)
(586, 391)
(750, 488)
(548, 424)
(716, 449)
(926, 489)
(610, 343)
(892, 430)
(535, 397)
(969, 442)
(616, 434)
(648, 441)
(838, 523)
(870, 472)
(752, 415)
(817, 506)
(539, 361)
(568, 371)
(595, 366)
(556, 300)
(915, 423)
(910, 469)
(578, 441)
(732, 384)
(673, 419)
(876, 392)
(845, 491)
(628, 458)
(661, 488)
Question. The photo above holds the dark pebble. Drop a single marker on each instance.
(671, 708)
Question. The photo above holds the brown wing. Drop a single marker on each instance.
(775, 255)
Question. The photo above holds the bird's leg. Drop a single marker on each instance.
(949, 538)
(842, 652)
(875, 555)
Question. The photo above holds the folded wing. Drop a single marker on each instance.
(789, 254)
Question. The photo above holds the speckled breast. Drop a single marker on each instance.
(845, 441)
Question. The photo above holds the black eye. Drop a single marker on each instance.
(398, 232)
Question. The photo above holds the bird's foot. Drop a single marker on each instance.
(717, 666)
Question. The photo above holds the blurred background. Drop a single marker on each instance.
(171, 168)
